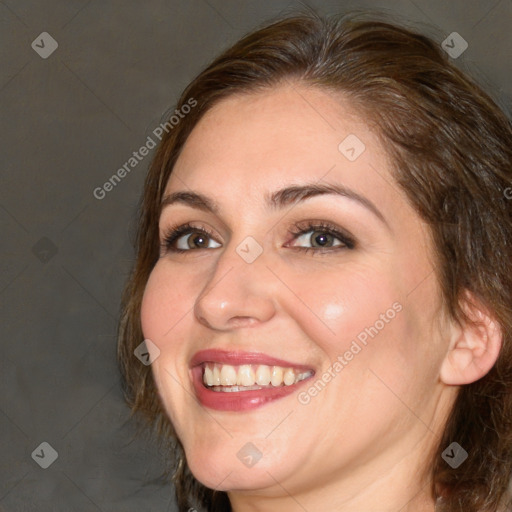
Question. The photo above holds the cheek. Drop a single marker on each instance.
(164, 302)
(164, 310)
(336, 307)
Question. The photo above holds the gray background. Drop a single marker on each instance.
(68, 123)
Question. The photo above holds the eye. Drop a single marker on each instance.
(322, 236)
(187, 237)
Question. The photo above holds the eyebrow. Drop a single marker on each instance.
(277, 200)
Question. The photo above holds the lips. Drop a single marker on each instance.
(238, 381)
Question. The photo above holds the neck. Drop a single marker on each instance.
(288, 502)
(379, 486)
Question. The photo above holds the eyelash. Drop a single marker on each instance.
(299, 229)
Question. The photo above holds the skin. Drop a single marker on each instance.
(364, 441)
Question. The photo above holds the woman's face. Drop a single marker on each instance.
(266, 303)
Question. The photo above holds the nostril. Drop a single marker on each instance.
(242, 321)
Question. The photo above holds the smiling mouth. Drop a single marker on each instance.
(237, 381)
(228, 378)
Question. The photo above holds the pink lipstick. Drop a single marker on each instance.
(238, 381)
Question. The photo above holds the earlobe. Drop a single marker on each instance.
(474, 347)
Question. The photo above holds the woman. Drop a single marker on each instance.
(323, 278)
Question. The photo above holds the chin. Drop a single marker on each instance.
(225, 477)
(227, 469)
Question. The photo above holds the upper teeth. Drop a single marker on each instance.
(216, 374)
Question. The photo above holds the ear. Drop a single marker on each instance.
(474, 347)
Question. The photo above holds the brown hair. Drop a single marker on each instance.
(451, 146)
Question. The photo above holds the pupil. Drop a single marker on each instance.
(201, 239)
(324, 237)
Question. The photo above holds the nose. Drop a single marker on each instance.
(238, 293)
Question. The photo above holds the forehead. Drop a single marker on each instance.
(249, 144)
